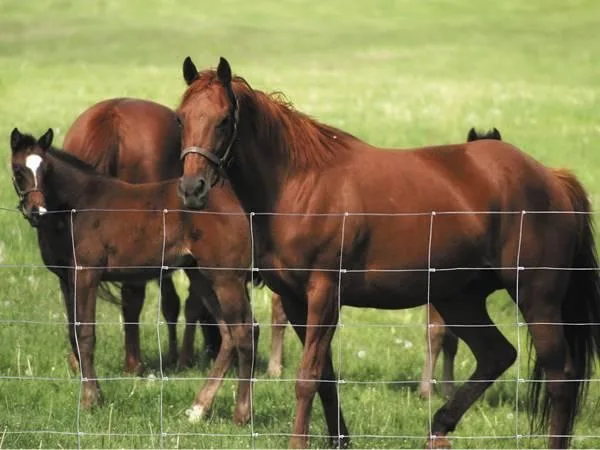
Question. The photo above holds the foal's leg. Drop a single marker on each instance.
(67, 292)
(132, 300)
(278, 324)
(195, 311)
(435, 334)
(205, 397)
(493, 353)
(170, 305)
(86, 283)
(320, 314)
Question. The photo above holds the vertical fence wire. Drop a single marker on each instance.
(518, 326)
(75, 324)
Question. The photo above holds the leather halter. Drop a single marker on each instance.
(22, 194)
(220, 162)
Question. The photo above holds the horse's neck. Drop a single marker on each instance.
(68, 184)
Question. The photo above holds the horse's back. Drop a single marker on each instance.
(133, 139)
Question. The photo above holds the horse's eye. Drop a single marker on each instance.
(179, 122)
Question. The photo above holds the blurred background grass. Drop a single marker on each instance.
(395, 73)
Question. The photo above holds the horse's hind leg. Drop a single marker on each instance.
(435, 333)
(553, 357)
(170, 305)
(132, 300)
(493, 353)
(278, 324)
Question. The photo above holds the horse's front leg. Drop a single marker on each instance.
(67, 291)
(321, 320)
(86, 284)
(278, 323)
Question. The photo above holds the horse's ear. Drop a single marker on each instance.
(496, 134)
(224, 72)
(46, 140)
(15, 139)
(190, 73)
(472, 136)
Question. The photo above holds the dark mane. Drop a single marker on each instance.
(306, 141)
(74, 161)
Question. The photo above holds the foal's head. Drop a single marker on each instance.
(210, 105)
(28, 168)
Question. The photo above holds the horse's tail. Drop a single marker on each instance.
(581, 305)
(474, 135)
(94, 137)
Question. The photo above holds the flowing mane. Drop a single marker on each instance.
(300, 139)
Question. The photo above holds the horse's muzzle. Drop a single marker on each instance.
(193, 191)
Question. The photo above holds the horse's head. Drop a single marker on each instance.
(209, 113)
(28, 168)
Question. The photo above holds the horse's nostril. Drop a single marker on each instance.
(200, 187)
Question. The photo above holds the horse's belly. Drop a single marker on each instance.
(400, 290)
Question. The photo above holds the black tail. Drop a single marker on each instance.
(580, 305)
(473, 135)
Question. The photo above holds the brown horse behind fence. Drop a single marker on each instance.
(125, 231)
(136, 141)
(139, 141)
(446, 225)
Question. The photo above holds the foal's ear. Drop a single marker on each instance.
(472, 136)
(15, 139)
(190, 73)
(224, 72)
(46, 140)
(496, 134)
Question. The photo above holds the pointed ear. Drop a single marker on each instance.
(46, 140)
(496, 134)
(190, 73)
(472, 136)
(224, 72)
(15, 139)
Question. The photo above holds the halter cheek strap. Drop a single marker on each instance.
(220, 162)
(23, 194)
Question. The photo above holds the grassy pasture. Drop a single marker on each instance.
(401, 74)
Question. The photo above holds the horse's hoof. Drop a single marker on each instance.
(196, 413)
(274, 371)
(135, 368)
(90, 398)
(438, 442)
(340, 442)
(425, 392)
(241, 418)
(184, 362)
(73, 363)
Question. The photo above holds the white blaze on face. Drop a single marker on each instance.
(33, 162)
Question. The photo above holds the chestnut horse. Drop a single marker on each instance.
(125, 231)
(437, 336)
(139, 141)
(337, 221)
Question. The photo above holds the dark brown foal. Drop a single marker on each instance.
(124, 231)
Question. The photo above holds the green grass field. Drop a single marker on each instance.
(401, 73)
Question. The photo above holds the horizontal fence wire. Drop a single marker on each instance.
(164, 270)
